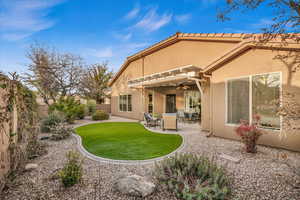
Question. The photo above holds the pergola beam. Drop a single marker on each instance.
(197, 80)
(188, 71)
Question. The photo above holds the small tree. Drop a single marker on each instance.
(41, 76)
(94, 82)
(53, 74)
(285, 19)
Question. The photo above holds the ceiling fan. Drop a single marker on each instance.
(182, 87)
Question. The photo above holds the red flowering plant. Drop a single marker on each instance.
(249, 133)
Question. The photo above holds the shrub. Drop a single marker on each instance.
(190, 176)
(91, 107)
(70, 107)
(51, 120)
(60, 131)
(249, 134)
(80, 113)
(35, 149)
(100, 115)
(72, 171)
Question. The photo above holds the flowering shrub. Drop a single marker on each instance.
(249, 133)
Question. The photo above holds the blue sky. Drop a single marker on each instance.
(104, 30)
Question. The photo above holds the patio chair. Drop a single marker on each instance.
(150, 122)
(180, 115)
(170, 121)
(187, 117)
(195, 117)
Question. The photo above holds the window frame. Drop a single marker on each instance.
(250, 98)
(127, 105)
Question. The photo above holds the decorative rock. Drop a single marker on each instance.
(31, 166)
(135, 185)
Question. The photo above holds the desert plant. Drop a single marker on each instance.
(69, 106)
(50, 121)
(100, 115)
(60, 131)
(72, 171)
(81, 111)
(249, 134)
(91, 107)
(190, 177)
(35, 149)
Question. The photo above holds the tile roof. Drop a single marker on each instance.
(225, 37)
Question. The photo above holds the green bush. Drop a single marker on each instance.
(192, 177)
(60, 132)
(71, 108)
(72, 171)
(81, 110)
(50, 121)
(100, 115)
(91, 107)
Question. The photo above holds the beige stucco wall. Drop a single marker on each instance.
(134, 70)
(253, 62)
(182, 53)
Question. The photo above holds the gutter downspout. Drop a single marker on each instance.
(210, 110)
(143, 89)
(210, 106)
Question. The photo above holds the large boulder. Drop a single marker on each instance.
(135, 185)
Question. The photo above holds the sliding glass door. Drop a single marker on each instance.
(192, 101)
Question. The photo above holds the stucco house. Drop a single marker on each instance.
(232, 77)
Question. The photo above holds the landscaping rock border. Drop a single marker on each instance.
(91, 156)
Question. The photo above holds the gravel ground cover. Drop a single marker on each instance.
(256, 177)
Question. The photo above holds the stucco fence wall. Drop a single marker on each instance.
(42, 111)
(4, 143)
(104, 107)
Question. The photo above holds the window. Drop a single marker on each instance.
(192, 101)
(150, 103)
(265, 96)
(129, 105)
(125, 103)
(254, 95)
(237, 100)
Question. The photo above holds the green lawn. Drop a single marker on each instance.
(126, 141)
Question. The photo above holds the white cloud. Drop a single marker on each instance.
(101, 53)
(130, 47)
(133, 13)
(123, 37)
(14, 36)
(183, 19)
(20, 19)
(152, 21)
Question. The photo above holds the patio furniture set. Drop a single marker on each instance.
(169, 121)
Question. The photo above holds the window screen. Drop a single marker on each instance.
(237, 100)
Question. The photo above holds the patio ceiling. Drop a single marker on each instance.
(167, 78)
